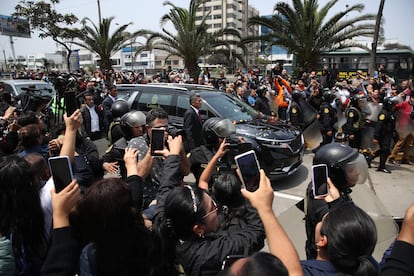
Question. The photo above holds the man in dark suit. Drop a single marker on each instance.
(107, 103)
(94, 125)
(193, 123)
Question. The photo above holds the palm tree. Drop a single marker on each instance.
(191, 41)
(304, 30)
(98, 40)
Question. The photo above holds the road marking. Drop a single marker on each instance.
(288, 196)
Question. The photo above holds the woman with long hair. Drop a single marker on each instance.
(21, 215)
(186, 219)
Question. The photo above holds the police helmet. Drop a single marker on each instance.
(346, 166)
(297, 95)
(328, 96)
(119, 108)
(216, 127)
(357, 98)
(261, 91)
(133, 119)
(389, 102)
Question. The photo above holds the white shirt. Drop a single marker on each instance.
(94, 119)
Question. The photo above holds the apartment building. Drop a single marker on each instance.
(231, 14)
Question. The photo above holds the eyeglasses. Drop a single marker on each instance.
(215, 208)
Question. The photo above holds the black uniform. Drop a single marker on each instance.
(296, 117)
(327, 119)
(355, 123)
(384, 132)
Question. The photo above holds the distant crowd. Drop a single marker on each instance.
(130, 212)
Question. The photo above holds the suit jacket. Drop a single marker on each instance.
(87, 123)
(107, 105)
(192, 128)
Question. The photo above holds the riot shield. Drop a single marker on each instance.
(387, 229)
(372, 110)
(309, 112)
(312, 135)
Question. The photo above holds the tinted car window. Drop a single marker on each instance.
(232, 108)
(182, 105)
(45, 89)
(147, 101)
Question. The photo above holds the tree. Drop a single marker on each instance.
(190, 41)
(305, 31)
(97, 39)
(373, 53)
(43, 17)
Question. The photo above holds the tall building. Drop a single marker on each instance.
(231, 14)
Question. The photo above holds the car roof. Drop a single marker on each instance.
(181, 86)
(23, 81)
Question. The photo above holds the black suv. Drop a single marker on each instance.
(279, 147)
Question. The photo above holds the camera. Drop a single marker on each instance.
(174, 132)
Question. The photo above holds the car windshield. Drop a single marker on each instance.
(45, 89)
(230, 107)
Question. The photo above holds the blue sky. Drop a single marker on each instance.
(397, 14)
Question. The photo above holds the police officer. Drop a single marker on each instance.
(327, 117)
(355, 120)
(295, 111)
(118, 109)
(384, 133)
(213, 132)
(346, 168)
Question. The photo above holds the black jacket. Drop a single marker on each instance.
(86, 126)
(192, 128)
(204, 256)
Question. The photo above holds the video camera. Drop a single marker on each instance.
(31, 99)
(174, 132)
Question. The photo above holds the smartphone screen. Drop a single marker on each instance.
(320, 180)
(249, 168)
(70, 102)
(61, 170)
(157, 140)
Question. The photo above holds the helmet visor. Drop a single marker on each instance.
(356, 171)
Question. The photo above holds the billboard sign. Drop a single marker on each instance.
(13, 26)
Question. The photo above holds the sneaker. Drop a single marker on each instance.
(393, 161)
(384, 170)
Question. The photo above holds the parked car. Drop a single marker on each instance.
(16, 87)
(279, 146)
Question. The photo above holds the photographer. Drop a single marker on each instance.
(155, 118)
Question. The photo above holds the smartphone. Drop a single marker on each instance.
(157, 140)
(249, 168)
(61, 171)
(320, 180)
(230, 260)
(70, 102)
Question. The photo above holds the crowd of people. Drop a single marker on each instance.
(129, 211)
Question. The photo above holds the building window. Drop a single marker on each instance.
(217, 7)
(175, 62)
(217, 25)
(217, 16)
(158, 63)
(144, 55)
